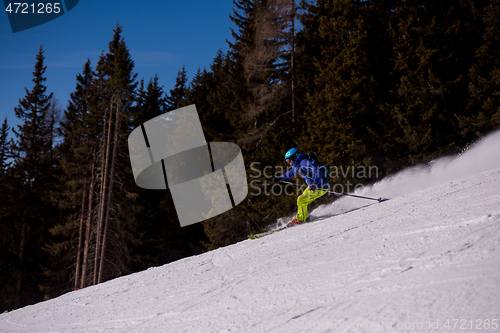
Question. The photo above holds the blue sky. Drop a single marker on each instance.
(162, 36)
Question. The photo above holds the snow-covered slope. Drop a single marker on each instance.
(426, 260)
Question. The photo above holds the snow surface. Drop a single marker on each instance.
(428, 260)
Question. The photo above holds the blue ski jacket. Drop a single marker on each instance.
(311, 172)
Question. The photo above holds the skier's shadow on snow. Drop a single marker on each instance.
(324, 217)
(280, 223)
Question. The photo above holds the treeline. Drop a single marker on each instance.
(362, 83)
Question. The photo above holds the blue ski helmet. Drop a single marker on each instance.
(291, 154)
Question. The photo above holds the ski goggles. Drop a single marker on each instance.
(288, 160)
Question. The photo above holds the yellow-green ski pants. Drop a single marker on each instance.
(305, 199)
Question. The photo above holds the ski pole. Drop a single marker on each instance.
(350, 195)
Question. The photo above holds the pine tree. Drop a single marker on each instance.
(243, 17)
(76, 112)
(8, 206)
(33, 171)
(150, 102)
(74, 153)
(113, 224)
(210, 92)
(97, 96)
(4, 147)
(33, 109)
(8, 260)
(262, 61)
(244, 41)
(265, 52)
(176, 96)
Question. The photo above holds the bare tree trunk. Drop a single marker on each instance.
(89, 221)
(101, 189)
(110, 194)
(266, 63)
(103, 194)
(80, 233)
(20, 275)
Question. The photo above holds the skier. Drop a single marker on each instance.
(313, 174)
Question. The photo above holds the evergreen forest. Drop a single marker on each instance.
(385, 84)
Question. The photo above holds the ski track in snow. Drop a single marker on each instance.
(428, 255)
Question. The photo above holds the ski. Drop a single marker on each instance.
(289, 225)
(263, 234)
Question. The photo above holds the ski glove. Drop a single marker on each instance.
(313, 187)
